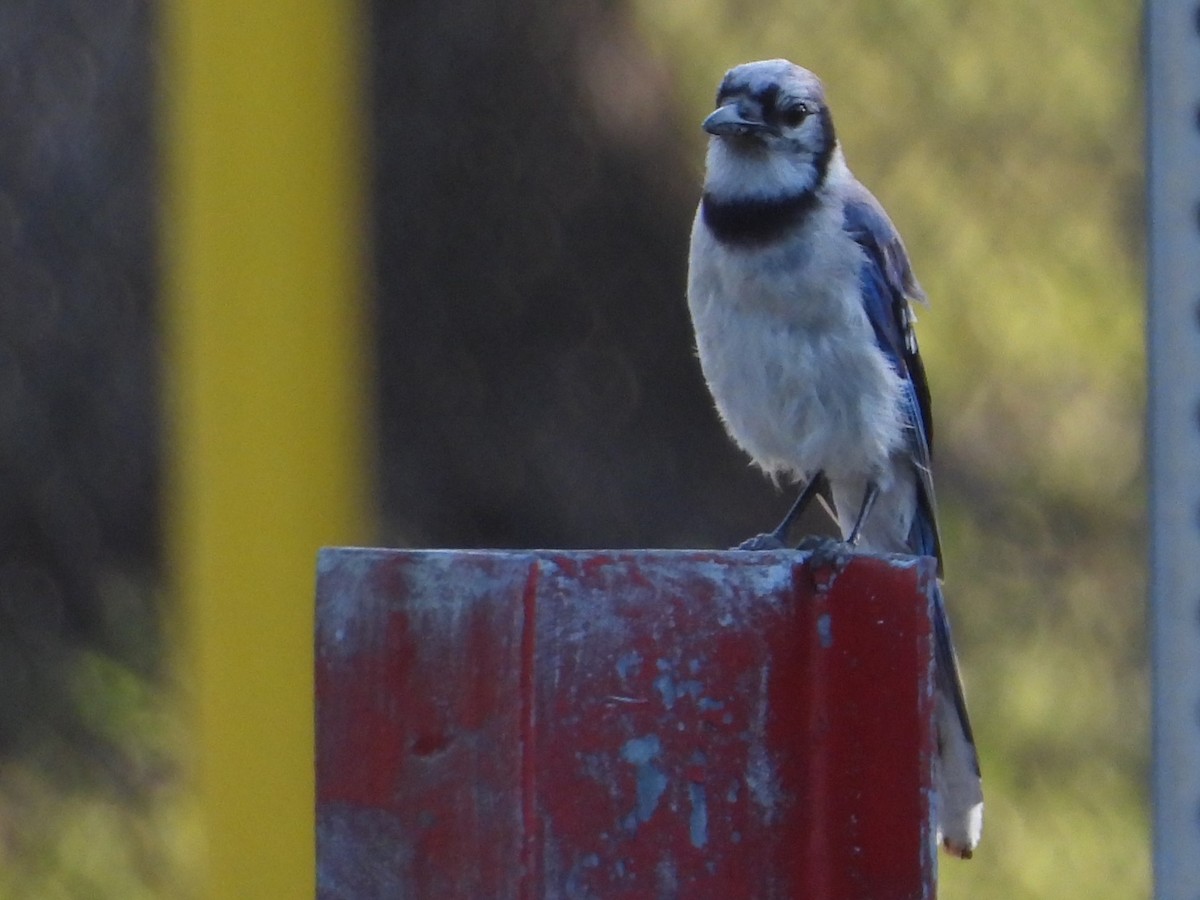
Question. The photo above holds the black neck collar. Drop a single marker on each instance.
(746, 221)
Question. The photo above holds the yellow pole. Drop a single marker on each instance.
(265, 378)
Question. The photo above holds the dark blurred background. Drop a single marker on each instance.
(533, 171)
(537, 380)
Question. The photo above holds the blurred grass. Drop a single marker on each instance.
(93, 802)
(1005, 141)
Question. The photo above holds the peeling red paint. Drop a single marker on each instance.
(622, 724)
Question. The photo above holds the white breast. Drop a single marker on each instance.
(789, 355)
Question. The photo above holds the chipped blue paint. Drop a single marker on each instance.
(698, 823)
(651, 782)
(672, 691)
(640, 751)
(731, 795)
(666, 689)
(628, 664)
(664, 684)
(668, 880)
(825, 630)
(762, 780)
(576, 878)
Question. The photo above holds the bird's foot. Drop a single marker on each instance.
(825, 551)
(770, 541)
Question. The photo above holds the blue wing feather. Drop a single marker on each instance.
(888, 287)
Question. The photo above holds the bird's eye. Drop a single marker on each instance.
(793, 115)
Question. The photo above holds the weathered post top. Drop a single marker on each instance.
(623, 724)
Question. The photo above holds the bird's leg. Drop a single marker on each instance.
(804, 498)
(775, 540)
(826, 551)
(869, 497)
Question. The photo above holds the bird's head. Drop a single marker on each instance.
(771, 130)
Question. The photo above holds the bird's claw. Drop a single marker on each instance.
(824, 551)
(768, 541)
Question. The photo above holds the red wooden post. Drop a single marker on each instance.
(643, 724)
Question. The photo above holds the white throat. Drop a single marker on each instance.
(734, 175)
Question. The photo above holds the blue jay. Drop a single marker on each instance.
(799, 289)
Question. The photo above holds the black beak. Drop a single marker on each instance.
(728, 120)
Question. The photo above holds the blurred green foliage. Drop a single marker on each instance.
(93, 802)
(1005, 141)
